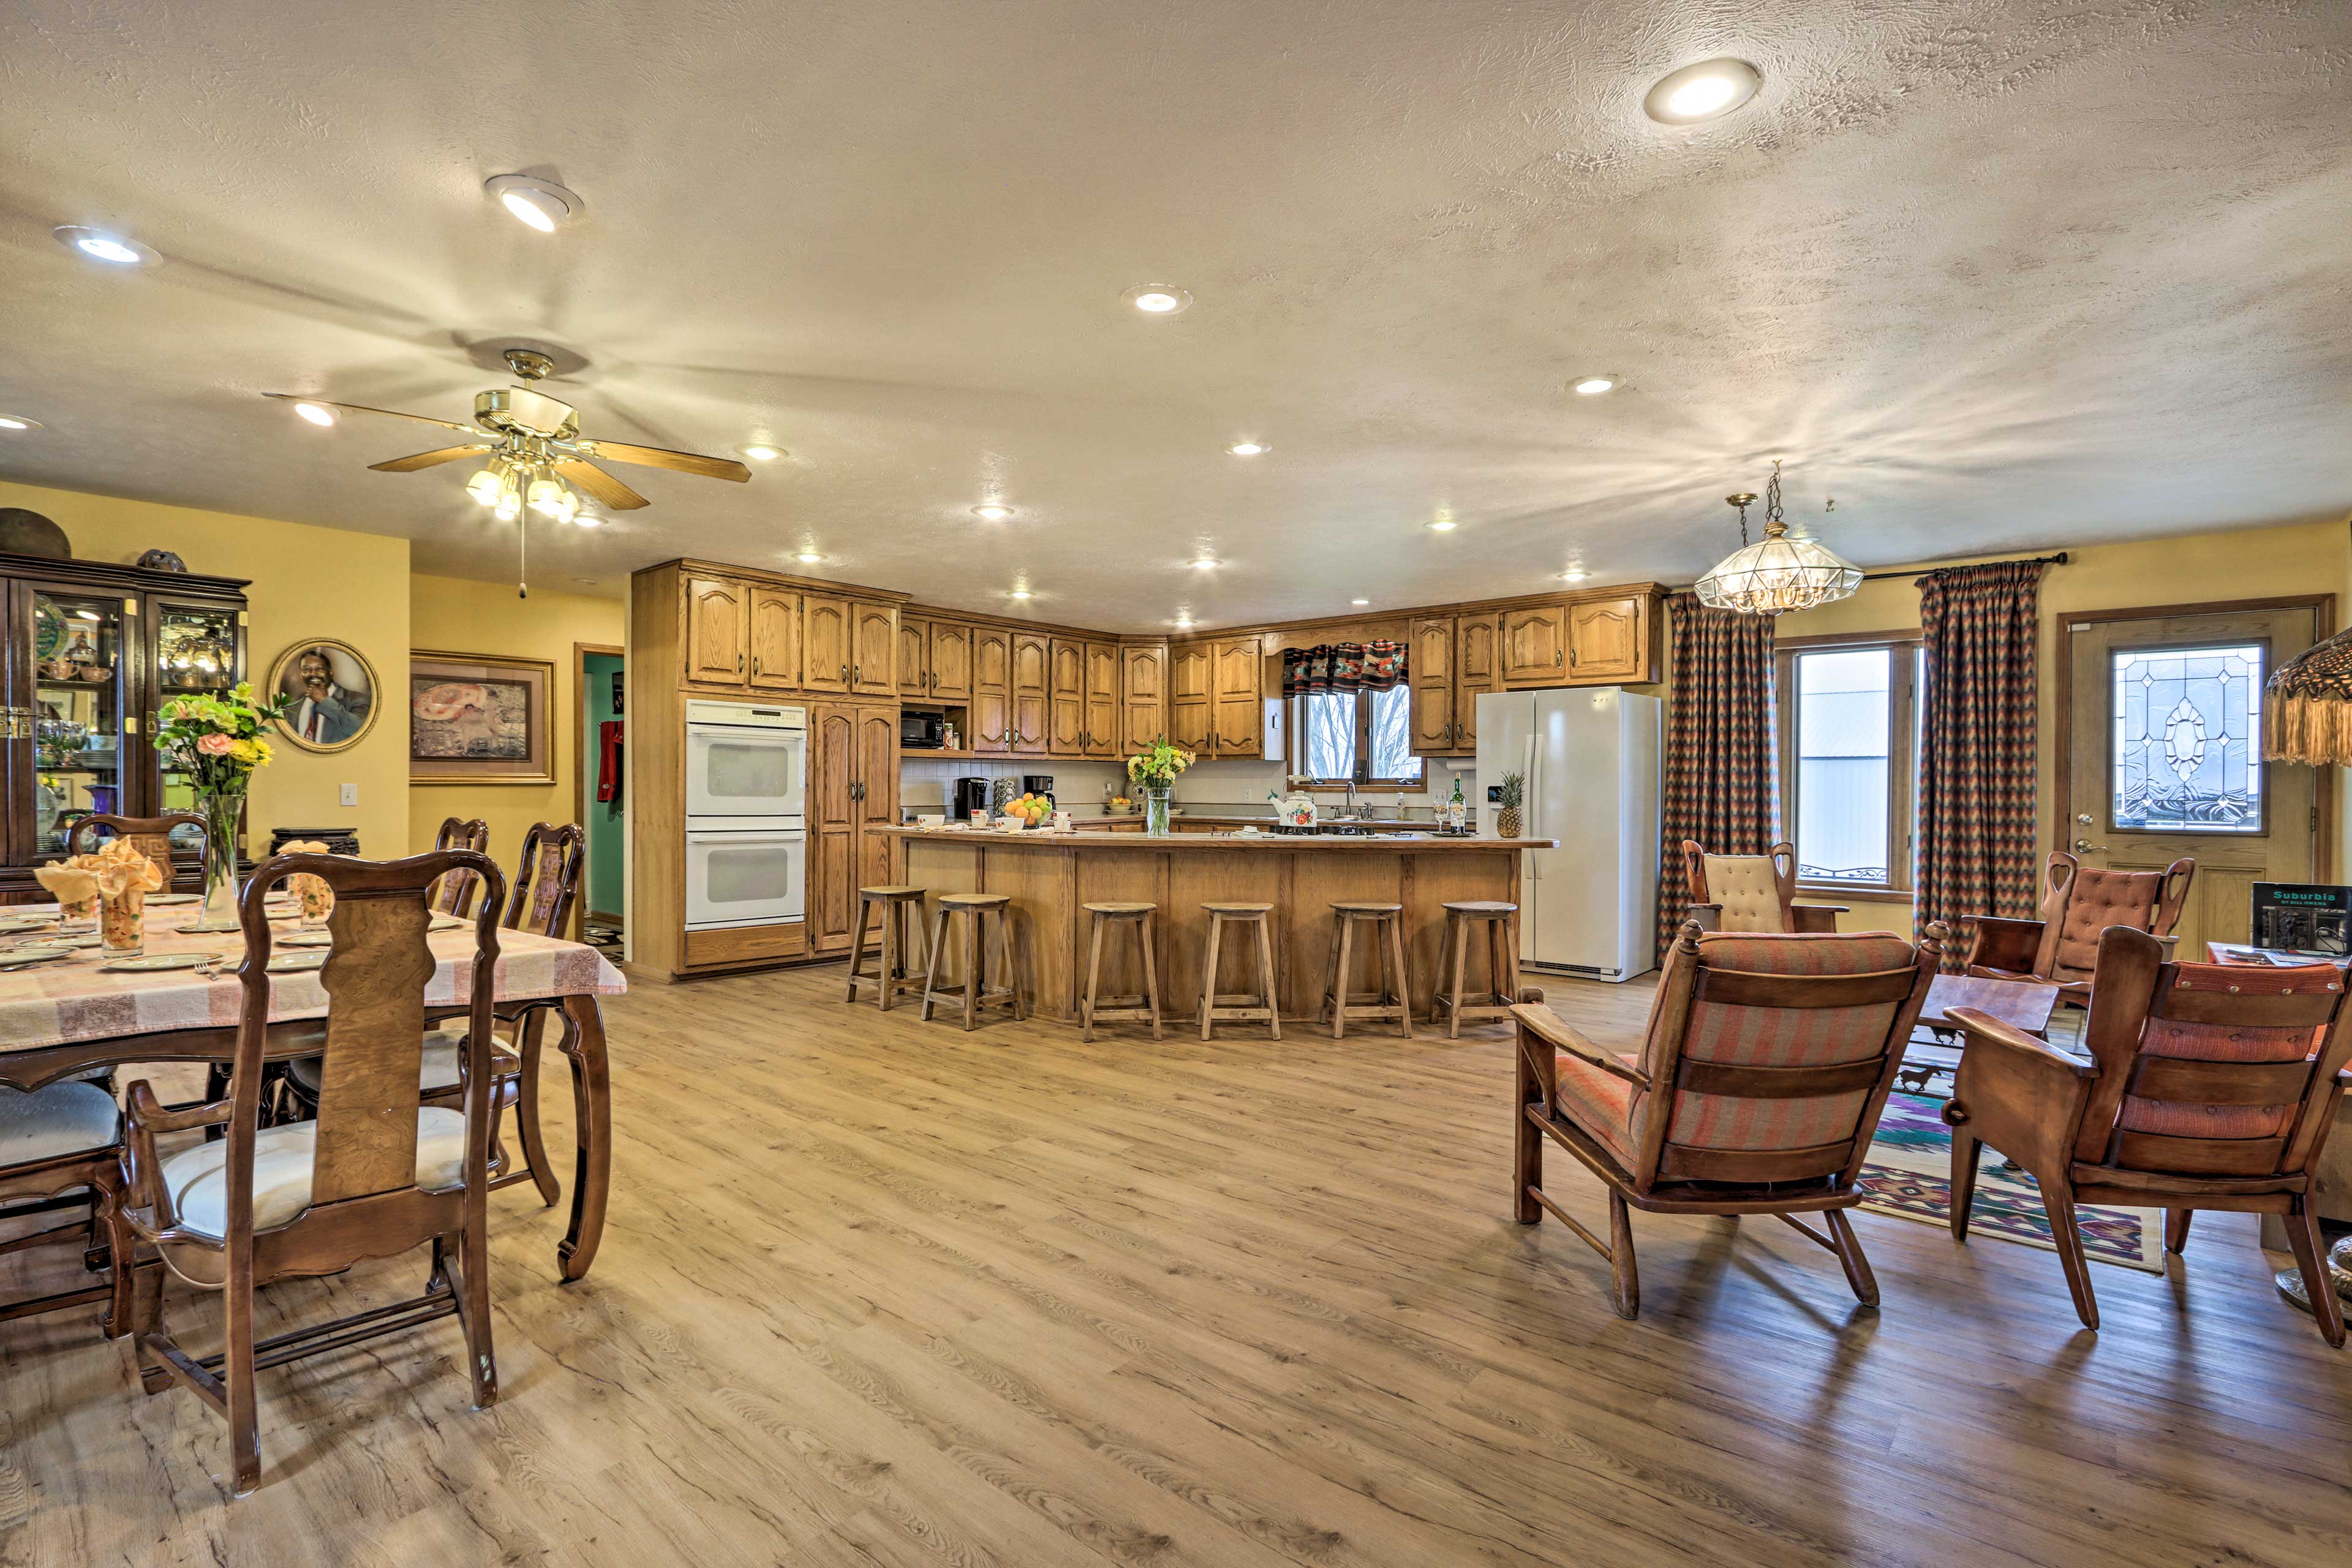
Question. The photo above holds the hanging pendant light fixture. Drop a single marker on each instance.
(2308, 706)
(1777, 574)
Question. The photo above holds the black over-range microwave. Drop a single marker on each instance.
(922, 731)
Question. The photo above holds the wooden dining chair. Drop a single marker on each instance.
(546, 887)
(2211, 1086)
(378, 1173)
(2078, 903)
(1757, 1090)
(455, 895)
(1751, 893)
(61, 1152)
(151, 835)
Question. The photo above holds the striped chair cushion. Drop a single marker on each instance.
(1783, 1037)
(2225, 1043)
(1598, 1102)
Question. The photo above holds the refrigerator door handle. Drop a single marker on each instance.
(1528, 792)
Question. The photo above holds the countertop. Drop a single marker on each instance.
(1187, 843)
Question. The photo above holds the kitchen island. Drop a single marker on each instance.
(1050, 876)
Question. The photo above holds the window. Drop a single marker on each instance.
(1849, 758)
(2187, 721)
(1364, 736)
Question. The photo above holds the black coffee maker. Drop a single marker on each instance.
(1038, 784)
(971, 795)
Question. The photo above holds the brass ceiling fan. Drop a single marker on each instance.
(536, 453)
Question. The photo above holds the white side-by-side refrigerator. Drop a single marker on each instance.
(1590, 756)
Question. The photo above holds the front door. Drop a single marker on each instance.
(2165, 759)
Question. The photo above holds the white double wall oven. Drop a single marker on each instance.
(746, 823)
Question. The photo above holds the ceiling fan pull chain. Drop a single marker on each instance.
(522, 557)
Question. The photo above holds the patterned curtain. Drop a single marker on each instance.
(1722, 777)
(1977, 748)
(1342, 666)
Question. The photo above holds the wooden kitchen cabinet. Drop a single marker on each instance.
(1237, 680)
(991, 689)
(914, 657)
(1433, 669)
(1189, 701)
(1031, 656)
(874, 649)
(1477, 667)
(1143, 696)
(1101, 729)
(775, 638)
(853, 788)
(1067, 698)
(949, 661)
(718, 628)
(1608, 640)
(825, 632)
(1535, 647)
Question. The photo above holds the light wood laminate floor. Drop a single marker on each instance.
(876, 1292)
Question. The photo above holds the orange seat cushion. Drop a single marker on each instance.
(1598, 1102)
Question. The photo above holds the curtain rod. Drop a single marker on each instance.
(2057, 559)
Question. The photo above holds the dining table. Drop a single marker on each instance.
(69, 1014)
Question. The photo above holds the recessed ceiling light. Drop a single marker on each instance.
(1250, 448)
(1019, 593)
(1444, 525)
(996, 512)
(808, 558)
(1183, 621)
(1701, 91)
(99, 246)
(1158, 299)
(763, 454)
(540, 204)
(18, 421)
(1206, 562)
(1574, 576)
(1360, 601)
(1593, 386)
(591, 582)
(316, 413)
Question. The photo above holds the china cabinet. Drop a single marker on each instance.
(91, 650)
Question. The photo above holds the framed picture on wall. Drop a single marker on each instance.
(479, 718)
(334, 691)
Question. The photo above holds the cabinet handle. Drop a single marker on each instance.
(1571, 658)
(1555, 659)
(739, 664)
(845, 675)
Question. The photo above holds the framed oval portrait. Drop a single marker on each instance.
(334, 692)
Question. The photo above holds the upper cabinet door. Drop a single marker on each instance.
(991, 689)
(1102, 700)
(775, 639)
(951, 661)
(1535, 648)
(1188, 672)
(874, 649)
(1432, 666)
(1605, 641)
(825, 643)
(1031, 656)
(1068, 710)
(1239, 673)
(914, 657)
(716, 629)
(1143, 700)
(1477, 667)
(1188, 727)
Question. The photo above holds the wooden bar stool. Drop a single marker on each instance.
(1239, 1007)
(1396, 980)
(902, 931)
(1145, 1005)
(976, 909)
(1496, 915)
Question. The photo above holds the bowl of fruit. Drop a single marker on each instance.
(1120, 805)
(1028, 811)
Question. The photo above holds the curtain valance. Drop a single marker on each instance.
(1343, 666)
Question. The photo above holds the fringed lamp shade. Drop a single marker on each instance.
(2308, 706)
(1777, 574)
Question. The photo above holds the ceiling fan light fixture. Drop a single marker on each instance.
(485, 485)
(99, 246)
(1706, 91)
(540, 203)
(318, 413)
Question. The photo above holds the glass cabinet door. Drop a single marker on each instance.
(199, 650)
(80, 676)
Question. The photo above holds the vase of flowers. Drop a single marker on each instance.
(1155, 771)
(216, 742)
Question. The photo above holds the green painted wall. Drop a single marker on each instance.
(603, 820)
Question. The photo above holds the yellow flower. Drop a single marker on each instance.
(243, 751)
(262, 753)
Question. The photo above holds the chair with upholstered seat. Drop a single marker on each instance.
(1754, 894)
(455, 896)
(378, 1173)
(2210, 1086)
(61, 1150)
(1757, 1090)
(2078, 903)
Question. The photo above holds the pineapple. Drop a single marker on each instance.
(1513, 793)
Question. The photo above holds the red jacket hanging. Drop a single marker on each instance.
(608, 760)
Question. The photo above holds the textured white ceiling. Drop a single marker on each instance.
(1994, 275)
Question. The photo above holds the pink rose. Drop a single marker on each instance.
(213, 746)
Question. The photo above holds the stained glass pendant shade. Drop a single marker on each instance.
(2308, 706)
(1777, 574)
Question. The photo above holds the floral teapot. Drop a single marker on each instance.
(1294, 810)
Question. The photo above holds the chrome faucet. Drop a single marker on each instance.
(1351, 797)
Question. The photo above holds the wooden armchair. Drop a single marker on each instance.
(2078, 903)
(1757, 1090)
(2212, 1086)
(61, 1150)
(1751, 893)
(455, 893)
(378, 1173)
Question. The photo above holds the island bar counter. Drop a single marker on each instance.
(1052, 876)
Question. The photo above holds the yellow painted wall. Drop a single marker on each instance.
(303, 586)
(2248, 563)
(453, 614)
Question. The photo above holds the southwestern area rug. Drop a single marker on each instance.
(1908, 1174)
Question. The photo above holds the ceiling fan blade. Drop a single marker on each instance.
(429, 459)
(363, 408)
(601, 485)
(663, 457)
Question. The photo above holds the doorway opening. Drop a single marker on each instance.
(599, 804)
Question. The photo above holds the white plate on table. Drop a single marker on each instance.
(447, 922)
(166, 899)
(149, 962)
(32, 954)
(307, 939)
(27, 922)
(295, 963)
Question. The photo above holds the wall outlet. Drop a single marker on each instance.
(350, 794)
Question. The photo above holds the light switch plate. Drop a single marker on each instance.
(350, 794)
